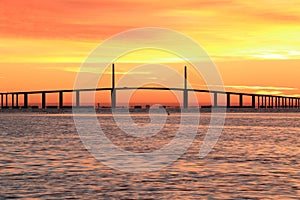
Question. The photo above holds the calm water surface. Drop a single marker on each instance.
(256, 157)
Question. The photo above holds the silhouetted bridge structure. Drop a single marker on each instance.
(257, 100)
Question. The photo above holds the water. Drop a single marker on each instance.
(256, 157)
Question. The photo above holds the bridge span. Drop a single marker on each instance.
(11, 99)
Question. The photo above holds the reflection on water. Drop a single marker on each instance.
(257, 156)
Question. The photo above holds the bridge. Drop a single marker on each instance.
(11, 99)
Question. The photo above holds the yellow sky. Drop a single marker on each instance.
(255, 43)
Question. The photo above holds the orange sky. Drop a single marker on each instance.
(255, 43)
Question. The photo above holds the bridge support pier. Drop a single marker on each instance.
(43, 100)
(185, 91)
(61, 100)
(228, 100)
(215, 99)
(77, 99)
(17, 100)
(113, 90)
(25, 100)
(253, 101)
(241, 100)
(12, 100)
(6, 102)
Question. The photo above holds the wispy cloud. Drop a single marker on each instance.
(249, 87)
(244, 87)
(95, 70)
(276, 93)
(269, 92)
(228, 29)
(266, 90)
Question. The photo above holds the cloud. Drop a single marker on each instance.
(248, 87)
(276, 93)
(47, 31)
(269, 92)
(95, 70)
(243, 87)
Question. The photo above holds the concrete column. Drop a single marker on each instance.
(12, 100)
(43, 100)
(25, 100)
(215, 99)
(185, 92)
(113, 91)
(6, 100)
(276, 102)
(253, 101)
(228, 100)
(241, 100)
(17, 100)
(61, 100)
(258, 101)
(77, 98)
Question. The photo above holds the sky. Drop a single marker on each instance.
(254, 43)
